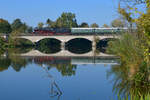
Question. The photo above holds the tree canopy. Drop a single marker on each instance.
(84, 25)
(18, 26)
(94, 25)
(4, 26)
(40, 25)
(117, 23)
(105, 26)
(66, 20)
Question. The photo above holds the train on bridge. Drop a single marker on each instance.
(77, 31)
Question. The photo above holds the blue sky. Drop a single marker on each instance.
(34, 11)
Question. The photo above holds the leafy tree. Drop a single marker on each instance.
(40, 25)
(4, 26)
(23, 28)
(4, 64)
(49, 23)
(16, 24)
(2, 45)
(30, 29)
(19, 27)
(94, 25)
(105, 26)
(84, 25)
(117, 23)
(126, 15)
(66, 20)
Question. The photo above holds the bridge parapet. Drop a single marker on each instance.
(66, 38)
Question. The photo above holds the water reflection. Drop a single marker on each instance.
(62, 64)
(66, 66)
(54, 88)
(131, 83)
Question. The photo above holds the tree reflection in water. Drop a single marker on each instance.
(131, 83)
(55, 90)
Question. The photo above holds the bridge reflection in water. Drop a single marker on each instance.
(65, 57)
(66, 53)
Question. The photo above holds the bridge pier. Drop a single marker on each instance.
(93, 45)
(62, 45)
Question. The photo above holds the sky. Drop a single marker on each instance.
(34, 11)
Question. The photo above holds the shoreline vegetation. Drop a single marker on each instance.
(132, 77)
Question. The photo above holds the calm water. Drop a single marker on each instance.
(56, 78)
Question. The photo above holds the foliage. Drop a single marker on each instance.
(129, 48)
(18, 27)
(84, 25)
(132, 76)
(131, 83)
(4, 26)
(66, 20)
(2, 45)
(30, 29)
(16, 24)
(105, 26)
(49, 23)
(40, 25)
(4, 63)
(94, 25)
(117, 23)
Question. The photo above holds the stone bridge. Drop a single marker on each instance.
(65, 38)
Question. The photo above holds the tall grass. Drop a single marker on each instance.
(132, 77)
(129, 48)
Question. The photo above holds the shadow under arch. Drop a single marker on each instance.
(79, 45)
(49, 45)
(22, 45)
(102, 45)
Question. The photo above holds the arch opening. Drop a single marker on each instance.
(49, 45)
(22, 45)
(102, 45)
(79, 46)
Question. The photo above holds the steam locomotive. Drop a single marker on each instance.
(51, 31)
(76, 31)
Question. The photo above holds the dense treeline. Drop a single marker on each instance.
(66, 20)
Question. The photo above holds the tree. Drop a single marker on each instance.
(19, 27)
(23, 28)
(94, 25)
(40, 25)
(16, 24)
(66, 20)
(117, 23)
(4, 26)
(49, 23)
(84, 25)
(30, 29)
(105, 26)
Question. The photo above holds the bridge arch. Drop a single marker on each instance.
(19, 38)
(77, 45)
(49, 39)
(49, 45)
(102, 44)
